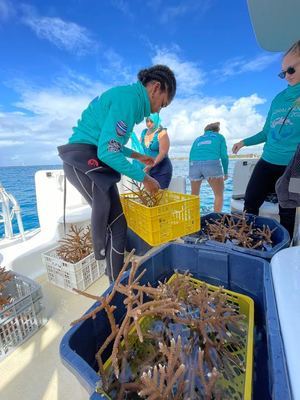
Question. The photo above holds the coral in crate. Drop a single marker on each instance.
(76, 245)
(140, 194)
(180, 340)
(5, 277)
(237, 230)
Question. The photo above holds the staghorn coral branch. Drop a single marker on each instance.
(146, 198)
(209, 382)
(209, 316)
(76, 245)
(159, 382)
(236, 229)
(5, 277)
(109, 297)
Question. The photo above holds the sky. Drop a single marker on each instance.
(56, 56)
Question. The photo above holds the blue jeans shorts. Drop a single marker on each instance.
(199, 170)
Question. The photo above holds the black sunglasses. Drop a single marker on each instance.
(289, 70)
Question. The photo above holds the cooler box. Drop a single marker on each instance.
(235, 271)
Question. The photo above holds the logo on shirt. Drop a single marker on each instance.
(121, 128)
(281, 121)
(114, 146)
(204, 142)
(93, 163)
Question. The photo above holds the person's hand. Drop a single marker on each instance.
(237, 146)
(225, 177)
(146, 160)
(147, 169)
(151, 184)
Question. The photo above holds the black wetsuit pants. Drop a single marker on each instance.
(97, 184)
(261, 183)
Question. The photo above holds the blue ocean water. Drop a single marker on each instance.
(19, 181)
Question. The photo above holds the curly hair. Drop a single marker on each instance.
(162, 74)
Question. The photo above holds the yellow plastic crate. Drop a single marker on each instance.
(177, 215)
(241, 385)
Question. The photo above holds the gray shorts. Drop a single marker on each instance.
(199, 170)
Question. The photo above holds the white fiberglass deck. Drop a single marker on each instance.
(34, 370)
(286, 278)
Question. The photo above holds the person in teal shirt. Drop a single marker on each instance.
(281, 135)
(204, 163)
(96, 155)
(156, 143)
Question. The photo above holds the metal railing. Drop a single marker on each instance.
(10, 209)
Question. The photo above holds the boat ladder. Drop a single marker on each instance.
(10, 209)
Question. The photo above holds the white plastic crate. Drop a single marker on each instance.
(23, 316)
(67, 275)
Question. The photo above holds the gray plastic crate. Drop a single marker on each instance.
(23, 316)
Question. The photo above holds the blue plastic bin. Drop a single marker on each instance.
(235, 271)
(133, 241)
(280, 236)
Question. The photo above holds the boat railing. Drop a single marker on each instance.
(10, 209)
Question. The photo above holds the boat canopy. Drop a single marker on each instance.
(275, 23)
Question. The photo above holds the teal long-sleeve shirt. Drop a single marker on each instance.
(210, 146)
(108, 122)
(281, 132)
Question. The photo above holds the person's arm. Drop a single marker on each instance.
(111, 149)
(192, 148)
(127, 152)
(224, 156)
(148, 160)
(260, 137)
(164, 146)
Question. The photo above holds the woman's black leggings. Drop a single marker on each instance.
(97, 183)
(261, 183)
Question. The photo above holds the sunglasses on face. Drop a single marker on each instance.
(289, 70)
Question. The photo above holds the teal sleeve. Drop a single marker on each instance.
(114, 134)
(260, 137)
(192, 150)
(127, 151)
(224, 156)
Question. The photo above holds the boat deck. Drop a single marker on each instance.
(34, 370)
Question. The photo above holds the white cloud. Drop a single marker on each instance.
(239, 65)
(45, 118)
(6, 10)
(182, 8)
(173, 12)
(188, 74)
(9, 143)
(65, 35)
(123, 6)
(186, 119)
(117, 69)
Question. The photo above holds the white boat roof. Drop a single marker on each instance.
(275, 23)
(286, 278)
